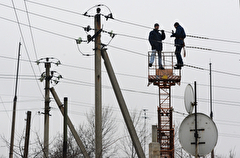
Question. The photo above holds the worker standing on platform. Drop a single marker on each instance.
(179, 44)
(155, 38)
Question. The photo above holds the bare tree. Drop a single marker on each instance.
(36, 148)
(232, 154)
(56, 149)
(126, 143)
(86, 132)
(179, 151)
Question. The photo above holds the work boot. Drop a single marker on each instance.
(181, 65)
(177, 66)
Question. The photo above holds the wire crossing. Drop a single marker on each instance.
(131, 23)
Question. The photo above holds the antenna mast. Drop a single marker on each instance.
(14, 107)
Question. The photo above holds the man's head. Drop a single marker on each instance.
(156, 26)
(176, 24)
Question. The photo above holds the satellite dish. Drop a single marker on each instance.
(189, 98)
(207, 132)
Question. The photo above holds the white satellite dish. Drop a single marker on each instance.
(207, 132)
(189, 98)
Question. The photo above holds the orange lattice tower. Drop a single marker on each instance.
(164, 79)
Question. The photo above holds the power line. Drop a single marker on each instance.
(235, 122)
(23, 101)
(140, 38)
(195, 67)
(25, 44)
(216, 71)
(49, 6)
(226, 73)
(21, 109)
(72, 81)
(77, 103)
(5, 110)
(77, 82)
(138, 25)
(214, 50)
(215, 86)
(130, 36)
(137, 76)
(84, 54)
(192, 36)
(7, 75)
(191, 47)
(46, 17)
(31, 32)
(134, 52)
(39, 29)
(144, 77)
(229, 135)
(19, 78)
(131, 23)
(215, 39)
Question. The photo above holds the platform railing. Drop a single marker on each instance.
(168, 73)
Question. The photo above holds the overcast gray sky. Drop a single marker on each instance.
(54, 31)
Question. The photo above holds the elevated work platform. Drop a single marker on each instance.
(167, 77)
(164, 79)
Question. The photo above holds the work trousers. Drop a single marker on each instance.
(178, 55)
(153, 54)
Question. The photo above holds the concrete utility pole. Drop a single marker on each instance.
(145, 128)
(27, 134)
(65, 127)
(98, 87)
(123, 106)
(70, 125)
(47, 108)
(14, 108)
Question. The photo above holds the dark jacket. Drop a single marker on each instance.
(155, 38)
(180, 35)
